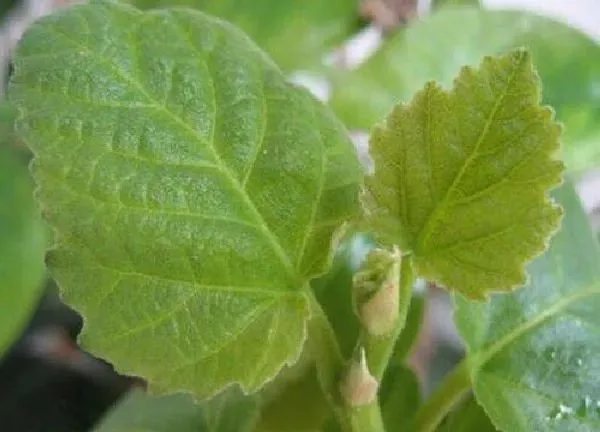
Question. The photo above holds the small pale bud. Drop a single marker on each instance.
(358, 387)
(377, 292)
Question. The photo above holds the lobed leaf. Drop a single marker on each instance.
(435, 48)
(534, 354)
(461, 177)
(22, 247)
(193, 191)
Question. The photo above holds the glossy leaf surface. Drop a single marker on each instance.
(535, 353)
(229, 411)
(462, 177)
(194, 192)
(22, 247)
(297, 34)
(436, 48)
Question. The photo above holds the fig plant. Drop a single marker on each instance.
(197, 200)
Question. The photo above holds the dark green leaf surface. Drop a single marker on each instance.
(227, 412)
(436, 48)
(535, 353)
(22, 246)
(462, 177)
(468, 416)
(194, 192)
(400, 397)
(296, 33)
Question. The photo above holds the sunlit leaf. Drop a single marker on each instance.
(435, 48)
(194, 192)
(462, 177)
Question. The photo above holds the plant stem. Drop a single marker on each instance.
(452, 389)
(380, 349)
(366, 418)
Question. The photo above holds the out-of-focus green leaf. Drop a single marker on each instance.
(399, 397)
(462, 177)
(439, 45)
(193, 190)
(435, 4)
(22, 247)
(410, 333)
(334, 290)
(468, 416)
(296, 33)
(535, 353)
(229, 411)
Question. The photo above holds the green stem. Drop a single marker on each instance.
(452, 389)
(366, 418)
(380, 349)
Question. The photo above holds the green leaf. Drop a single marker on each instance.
(399, 397)
(435, 4)
(296, 33)
(435, 49)
(461, 177)
(22, 249)
(468, 416)
(535, 354)
(414, 320)
(229, 411)
(194, 192)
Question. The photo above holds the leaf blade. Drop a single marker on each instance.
(447, 171)
(534, 362)
(183, 183)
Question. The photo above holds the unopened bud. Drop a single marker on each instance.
(358, 387)
(377, 292)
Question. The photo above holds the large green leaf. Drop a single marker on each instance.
(194, 192)
(436, 48)
(461, 177)
(296, 33)
(399, 397)
(229, 411)
(22, 246)
(535, 354)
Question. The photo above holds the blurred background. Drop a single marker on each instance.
(361, 58)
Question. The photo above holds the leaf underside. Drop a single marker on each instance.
(193, 191)
(462, 177)
(534, 352)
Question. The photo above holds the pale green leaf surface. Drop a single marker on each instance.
(229, 411)
(461, 177)
(297, 34)
(435, 48)
(193, 191)
(535, 353)
(22, 246)
(445, 3)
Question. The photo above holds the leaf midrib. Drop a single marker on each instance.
(290, 269)
(437, 214)
(480, 358)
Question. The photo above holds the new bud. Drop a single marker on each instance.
(358, 387)
(377, 291)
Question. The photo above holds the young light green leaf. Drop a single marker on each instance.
(535, 354)
(468, 416)
(193, 191)
(461, 177)
(435, 48)
(22, 247)
(297, 34)
(230, 411)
